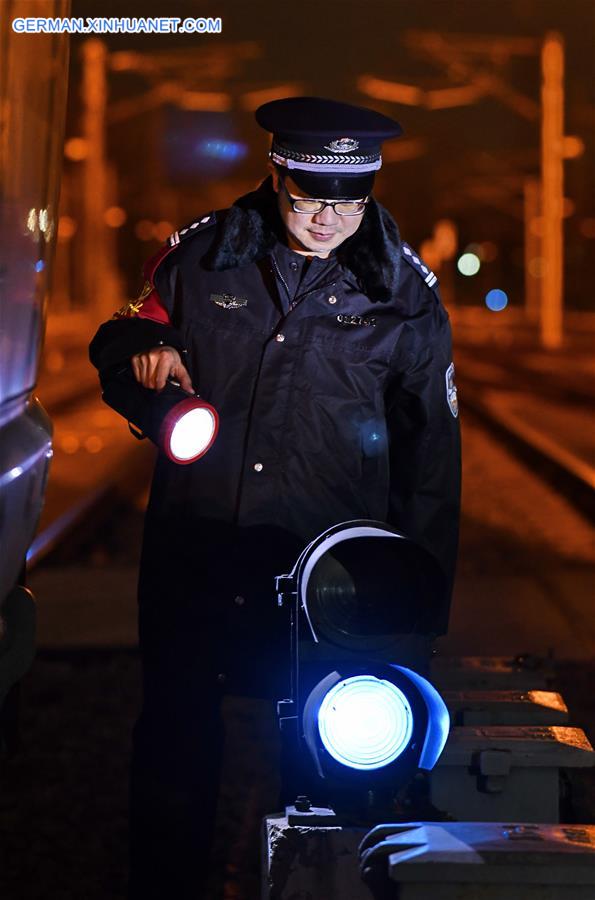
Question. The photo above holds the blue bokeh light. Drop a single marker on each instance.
(365, 722)
(496, 300)
(200, 144)
(39, 265)
(218, 148)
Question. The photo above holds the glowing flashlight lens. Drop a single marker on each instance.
(192, 433)
(365, 722)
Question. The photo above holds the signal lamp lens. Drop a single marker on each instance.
(365, 722)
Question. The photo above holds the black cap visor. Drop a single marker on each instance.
(331, 187)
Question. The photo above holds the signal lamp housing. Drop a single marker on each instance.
(366, 604)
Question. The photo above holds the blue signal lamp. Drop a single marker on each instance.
(367, 603)
(364, 722)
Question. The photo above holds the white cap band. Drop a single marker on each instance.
(326, 165)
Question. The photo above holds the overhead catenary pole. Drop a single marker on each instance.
(93, 90)
(464, 57)
(552, 189)
(533, 251)
(101, 284)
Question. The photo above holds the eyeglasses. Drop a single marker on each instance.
(310, 206)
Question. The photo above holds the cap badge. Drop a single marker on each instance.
(342, 145)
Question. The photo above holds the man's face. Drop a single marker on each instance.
(312, 234)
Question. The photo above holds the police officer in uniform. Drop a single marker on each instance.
(320, 337)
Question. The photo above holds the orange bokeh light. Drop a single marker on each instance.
(66, 228)
(144, 230)
(76, 149)
(162, 230)
(572, 146)
(114, 216)
(587, 227)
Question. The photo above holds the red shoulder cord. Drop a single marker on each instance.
(149, 305)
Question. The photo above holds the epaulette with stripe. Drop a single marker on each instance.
(419, 265)
(191, 229)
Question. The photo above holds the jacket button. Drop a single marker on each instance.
(293, 265)
(332, 299)
(258, 467)
(280, 338)
(239, 600)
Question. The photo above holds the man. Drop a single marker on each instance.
(321, 339)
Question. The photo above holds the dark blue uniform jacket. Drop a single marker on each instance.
(332, 406)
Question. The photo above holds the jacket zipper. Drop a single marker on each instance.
(280, 275)
(299, 297)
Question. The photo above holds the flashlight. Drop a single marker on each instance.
(183, 426)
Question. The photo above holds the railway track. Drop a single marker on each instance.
(78, 509)
(562, 470)
(79, 521)
(539, 408)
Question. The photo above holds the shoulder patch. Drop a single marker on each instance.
(191, 229)
(419, 265)
(451, 391)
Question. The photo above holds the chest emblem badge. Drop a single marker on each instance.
(228, 301)
(451, 391)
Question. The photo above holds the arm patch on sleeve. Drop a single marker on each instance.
(451, 391)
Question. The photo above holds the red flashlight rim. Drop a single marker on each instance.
(171, 419)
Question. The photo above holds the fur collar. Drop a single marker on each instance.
(252, 227)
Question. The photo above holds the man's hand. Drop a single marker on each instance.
(153, 367)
